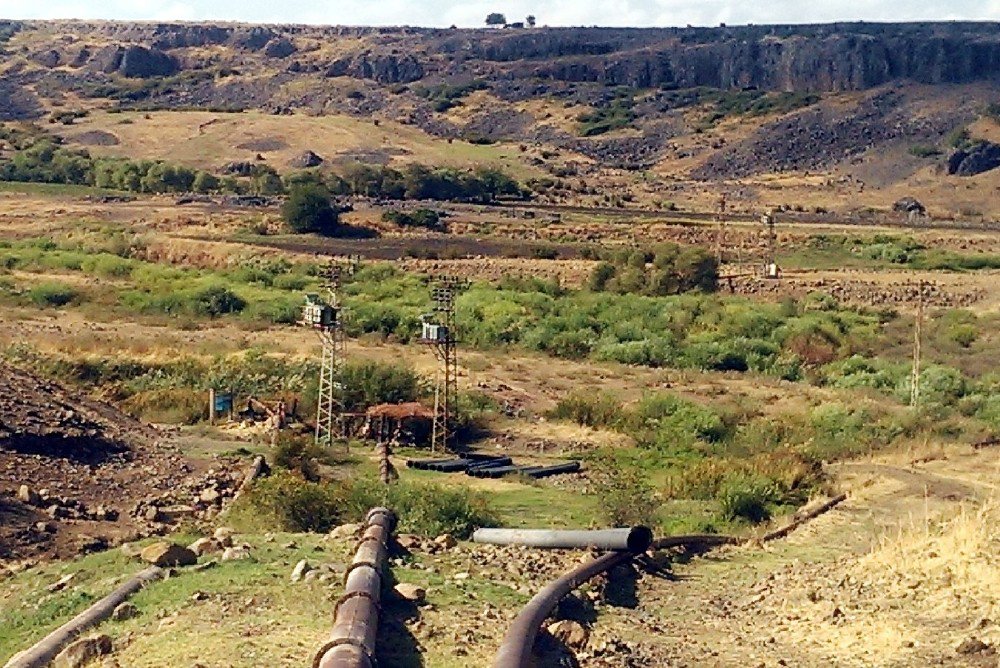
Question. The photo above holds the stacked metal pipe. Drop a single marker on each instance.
(355, 619)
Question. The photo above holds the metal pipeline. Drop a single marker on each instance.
(515, 650)
(355, 619)
(632, 539)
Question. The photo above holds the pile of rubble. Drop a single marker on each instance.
(77, 475)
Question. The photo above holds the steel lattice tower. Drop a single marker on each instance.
(444, 343)
(330, 328)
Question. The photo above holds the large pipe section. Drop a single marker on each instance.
(355, 619)
(515, 650)
(631, 539)
(46, 649)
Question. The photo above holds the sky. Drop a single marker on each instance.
(470, 13)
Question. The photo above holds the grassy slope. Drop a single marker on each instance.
(209, 140)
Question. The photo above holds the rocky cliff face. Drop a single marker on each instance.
(836, 61)
(819, 58)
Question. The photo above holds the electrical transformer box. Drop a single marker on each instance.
(317, 314)
(434, 333)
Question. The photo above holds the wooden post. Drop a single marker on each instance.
(211, 405)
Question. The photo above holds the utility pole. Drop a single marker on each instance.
(438, 331)
(771, 261)
(720, 223)
(917, 340)
(327, 318)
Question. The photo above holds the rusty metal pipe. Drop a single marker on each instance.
(633, 539)
(355, 624)
(515, 650)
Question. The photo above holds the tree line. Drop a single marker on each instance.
(42, 158)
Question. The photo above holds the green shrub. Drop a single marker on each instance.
(216, 300)
(624, 495)
(434, 509)
(425, 509)
(746, 496)
(285, 502)
(52, 294)
(589, 409)
(370, 383)
(667, 423)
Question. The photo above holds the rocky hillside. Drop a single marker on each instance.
(871, 105)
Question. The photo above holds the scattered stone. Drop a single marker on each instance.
(163, 553)
(410, 592)
(151, 514)
(306, 160)
(177, 513)
(300, 570)
(973, 646)
(236, 553)
(124, 612)
(83, 651)
(460, 576)
(29, 496)
(130, 550)
(224, 535)
(346, 531)
(408, 541)
(210, 495)
(61, 583)
(204, 546)
(445, 541)
(573, 634)
(205, 566)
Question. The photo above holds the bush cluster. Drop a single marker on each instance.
(667, 270)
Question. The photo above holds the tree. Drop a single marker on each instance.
(308, 209)
(204, 182)
(496, 19)
(531, 20)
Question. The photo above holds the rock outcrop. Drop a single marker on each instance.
(978, 158)
(135, 61)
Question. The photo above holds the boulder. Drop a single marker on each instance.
(909, 205)
(410, 592)
(236, 553)
(300, 570)
(572, 634)
(445, 541)
(979, 158)
(224, 535)
(409, 541)
(973, 646)
(204, 546)
(49, 58)
(306, 160)
(135, 61)
(346, 531)
(29, 496)
(281, 47)
(163, 553)
(83, 652)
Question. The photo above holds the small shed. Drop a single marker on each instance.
(409, 422)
